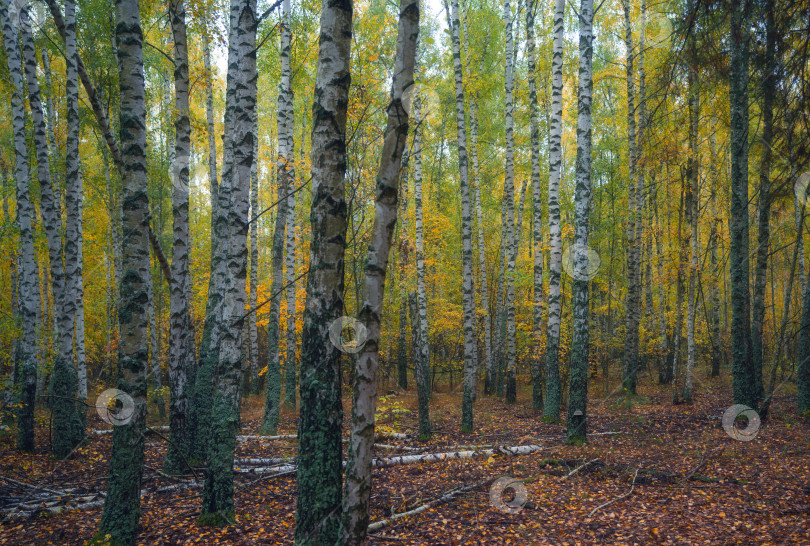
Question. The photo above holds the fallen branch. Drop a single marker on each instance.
(86, 502)
(632, 486)
(404, 448)
(577, 469)
(30, 486)
(244, 437)
(444, 498)
(703, 460)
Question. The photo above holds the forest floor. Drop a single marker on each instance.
(672, 472)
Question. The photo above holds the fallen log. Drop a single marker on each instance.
(109, 431)
(415, 459)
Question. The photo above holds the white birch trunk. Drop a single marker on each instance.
(421, 297)
(537, 213)
(483, 287)
(358, 469)
(578, 384)
(181, 340)
(551, 403)
(509, 196)
(253, 333)
(468, 289)
(121, 507)
(28, 269)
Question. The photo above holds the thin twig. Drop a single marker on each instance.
(577, 469)
(632, 486)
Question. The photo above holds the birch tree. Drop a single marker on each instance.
(468, 290)
(551, 403)
(233, 203)
(716, 271)
(27, 267)
(181, 345)
(66, 423)
(421, 352)
(509, 196)
(286, 177)
(253, 333)
(319, 438)
(289, 361)
(578, 389)
(121, 512)
(691, 202)
(633, 302)
(537, 212)
(483, 288)
(421, 297)
(361, 441)
(203, 391)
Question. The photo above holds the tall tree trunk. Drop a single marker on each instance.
(319, 444)
(642, 205)
(743, 373)
(714, 237)
(421, 296)
(73, 209)
(67, 428)
(290, 360)
(764, 230)
(537, 216)
(483, 287)
(468, 290)
(683, 253)
(286, 178)
(578, 383)
(551, 406)
(27, 267)
(182, 354)
(364, 400)
(421, 348)
(803, 355)
(509, 195)
(253, 333)
(692, 206)
(631, 358)
(233, 203)
(121, 512)
(203, 390)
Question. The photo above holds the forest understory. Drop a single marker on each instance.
(651, 472)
